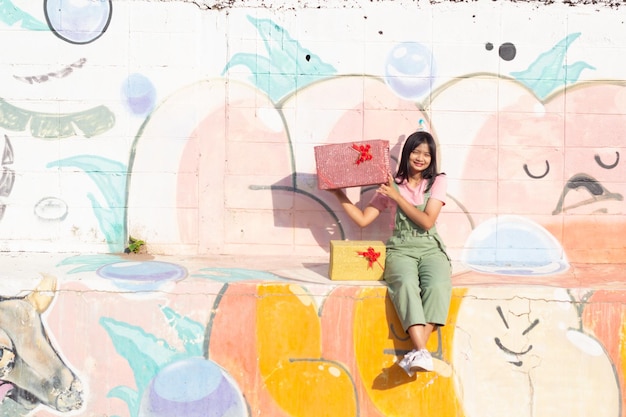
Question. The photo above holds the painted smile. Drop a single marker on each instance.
(511, 353)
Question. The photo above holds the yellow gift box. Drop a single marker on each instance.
(356, 260)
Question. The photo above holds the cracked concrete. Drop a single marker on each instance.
(356, 4)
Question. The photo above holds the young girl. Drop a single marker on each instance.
(417, 268)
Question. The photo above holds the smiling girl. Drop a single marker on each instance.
(417, 268)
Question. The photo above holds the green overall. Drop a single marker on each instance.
(417, 271)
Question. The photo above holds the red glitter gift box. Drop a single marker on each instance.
(352, 164)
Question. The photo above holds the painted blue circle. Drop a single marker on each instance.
(143, 275)
(139, 94)
(187, 380)
(78, 21)
(192, 387)
(409, 70)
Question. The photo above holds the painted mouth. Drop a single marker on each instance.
(5, 389)
(512, 356)
(588, 185)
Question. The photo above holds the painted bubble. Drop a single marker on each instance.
(78, 21)
(513, 245)
(139, 94)
(192, 387)
(144, 275)
(409, 70)
(51, 208)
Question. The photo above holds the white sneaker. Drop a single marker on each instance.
(405, 362)
(421, 361)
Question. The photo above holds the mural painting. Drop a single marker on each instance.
(193, 130)
(33, 373)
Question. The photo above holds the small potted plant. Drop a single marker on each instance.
(136, 246)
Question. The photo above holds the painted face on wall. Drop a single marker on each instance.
(535, 339)
(555, 163)
(42, 204)
(559, 164)
(62, 186)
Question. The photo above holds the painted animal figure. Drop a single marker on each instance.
(31, 371)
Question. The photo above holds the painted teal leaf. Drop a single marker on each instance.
(287, 67)
(128, 395)
(189, 331)
(10, 15)
(259, 65)
(549, 73)
(145, 354)
(109, 175)
(264, 76)
(110, 178)
(236, 274)
(89, 263)
(574, 70)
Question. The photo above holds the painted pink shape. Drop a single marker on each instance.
(5, 389)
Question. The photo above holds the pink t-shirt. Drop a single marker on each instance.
(414, 196)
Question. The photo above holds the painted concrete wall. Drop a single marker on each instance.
(193, 129)
(213, 337)
(192, 126)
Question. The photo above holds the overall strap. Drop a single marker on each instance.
(404, 226)
(403, 223)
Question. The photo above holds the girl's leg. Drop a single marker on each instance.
(420, 334)
(436, 286)
(403, 287)
(419, 359)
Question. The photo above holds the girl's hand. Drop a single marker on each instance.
(389, 189)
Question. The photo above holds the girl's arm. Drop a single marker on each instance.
(361, 217)
(425, 219)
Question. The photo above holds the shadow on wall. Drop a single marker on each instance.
(301, 205)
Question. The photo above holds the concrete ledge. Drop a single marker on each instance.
(275, 337)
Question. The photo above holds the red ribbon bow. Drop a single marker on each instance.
(371, 255)
(364, 153)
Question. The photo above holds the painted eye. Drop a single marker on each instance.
(7, 354)
(534, 175)
(607, 166)
(532, 326)
(7, 360)
(51, 208)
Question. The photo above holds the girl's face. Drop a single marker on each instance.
(419, 159)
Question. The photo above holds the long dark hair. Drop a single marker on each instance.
(412, 142)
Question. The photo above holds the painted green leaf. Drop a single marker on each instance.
(189, 331)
